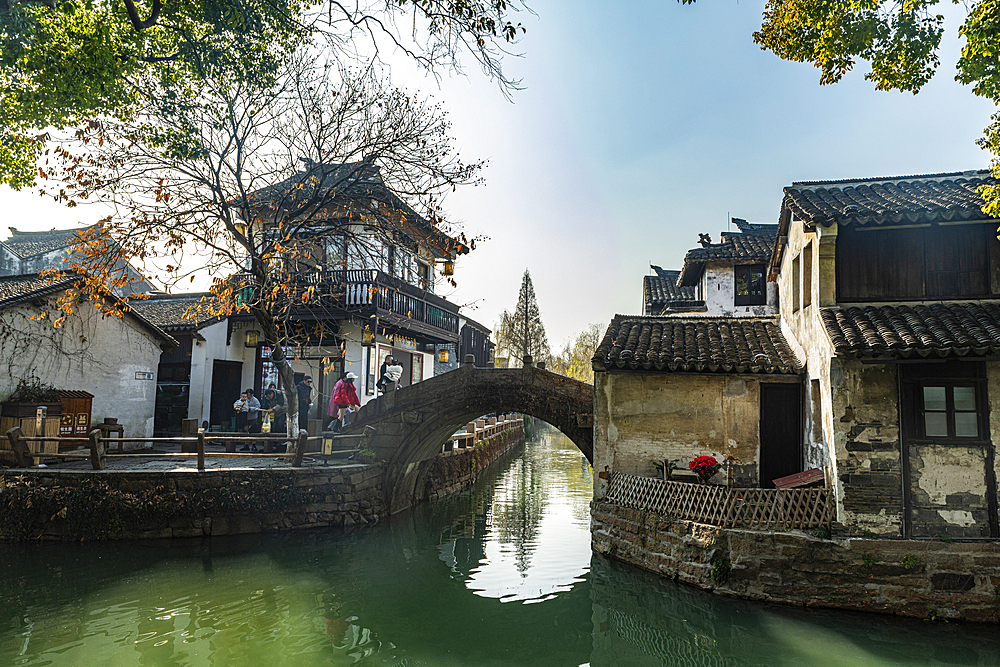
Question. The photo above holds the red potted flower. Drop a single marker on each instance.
(705, 467)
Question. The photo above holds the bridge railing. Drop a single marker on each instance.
(480, 430)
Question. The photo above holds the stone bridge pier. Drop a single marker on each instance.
(413, 423)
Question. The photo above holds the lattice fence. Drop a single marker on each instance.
(755, 509)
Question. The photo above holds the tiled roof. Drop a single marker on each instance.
(896, 200)
(167, 311)
(28, 244)
(697, 345)
(659, 289)
(16, 288)
(936, 330)
(334, 184)
(753, 245)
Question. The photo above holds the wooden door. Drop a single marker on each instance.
(780, 432)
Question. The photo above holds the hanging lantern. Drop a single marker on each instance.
(443, 356)
(448, 269)
(253, 338)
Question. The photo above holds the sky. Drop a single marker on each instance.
(640, 125)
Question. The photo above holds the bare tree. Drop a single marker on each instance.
(254, 184)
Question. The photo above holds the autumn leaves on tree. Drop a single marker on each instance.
(243, 140)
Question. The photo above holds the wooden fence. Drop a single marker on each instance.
(480, 430)
(26, 450)
(753, 509)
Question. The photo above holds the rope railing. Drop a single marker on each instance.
(752, 509)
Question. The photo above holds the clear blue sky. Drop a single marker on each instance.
(640, 125)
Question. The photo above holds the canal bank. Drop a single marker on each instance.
(73, 504)
(929, 579)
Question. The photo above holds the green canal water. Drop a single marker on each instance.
(500, 575)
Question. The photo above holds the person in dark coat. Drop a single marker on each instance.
(307, 394)
(274, 402)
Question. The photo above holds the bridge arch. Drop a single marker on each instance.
(412, 423)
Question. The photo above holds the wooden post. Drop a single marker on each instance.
(96, 450)
(300, 448)
(189, 429)
(19, 446)
(201, 450)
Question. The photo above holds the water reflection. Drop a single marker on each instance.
(501, 575)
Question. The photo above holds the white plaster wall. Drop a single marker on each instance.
(203, 354)
(90, 352)
(718, 287)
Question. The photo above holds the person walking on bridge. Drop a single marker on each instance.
(345, 398)
(332, 410)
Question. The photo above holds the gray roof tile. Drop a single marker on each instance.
(696, 345)
(29, 244)
(935, 330)
(15, 288)
(167, 311)
(894, 200)
(659, 289)
(750, 246)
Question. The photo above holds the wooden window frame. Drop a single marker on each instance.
(749, 299)
(969, 374)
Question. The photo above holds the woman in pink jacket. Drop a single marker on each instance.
(345, 397)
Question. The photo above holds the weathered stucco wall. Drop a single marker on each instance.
(867, 446)
(89, 351)
(641, 419)
(925, 579)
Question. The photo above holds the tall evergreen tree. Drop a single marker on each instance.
(522, 333)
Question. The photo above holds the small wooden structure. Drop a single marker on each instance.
(75, 421)
(24, 416)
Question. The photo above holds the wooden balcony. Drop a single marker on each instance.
(396, 303)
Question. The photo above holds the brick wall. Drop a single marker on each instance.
(924, 579)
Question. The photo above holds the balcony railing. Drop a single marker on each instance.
(371, 288)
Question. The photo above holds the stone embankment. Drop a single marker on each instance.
(75, 505)
(79, 504)
(932, 579)
(455, 470)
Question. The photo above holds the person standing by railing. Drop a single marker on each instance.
(392, 375)
(251, 406)
(306, 395)
(380, 385)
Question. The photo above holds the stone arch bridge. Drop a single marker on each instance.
(411, 425)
